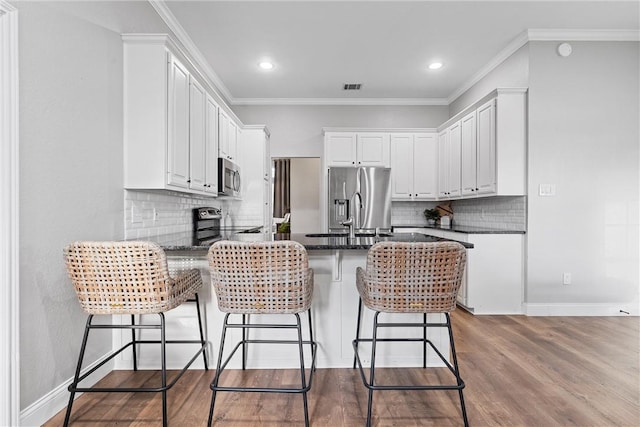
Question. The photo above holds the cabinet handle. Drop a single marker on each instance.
(189, 181)
(353, 163)
(477, 189)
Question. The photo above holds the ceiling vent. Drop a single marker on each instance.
(352, 86)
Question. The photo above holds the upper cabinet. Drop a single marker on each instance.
(228, 138)
(414, 166)
(171, 120)
(487, 147)
(357, 149)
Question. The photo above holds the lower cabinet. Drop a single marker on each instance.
(494, 278)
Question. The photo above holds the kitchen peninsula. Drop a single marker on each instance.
(334, 259)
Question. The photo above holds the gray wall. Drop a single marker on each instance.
(296, 131)
(584, 138)
(70, 168)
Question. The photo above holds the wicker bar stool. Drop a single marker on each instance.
(410, 278)
(129, 278)
(256, 278)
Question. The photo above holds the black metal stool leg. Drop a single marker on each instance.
(133, 340)
(302, 374)
(216, 377)
(74, 384)
(454, 357)
(357, 329)
(373, 366)
(424, 342)
(163, 358)
(244, 343)
(311, 337)
(204, 353)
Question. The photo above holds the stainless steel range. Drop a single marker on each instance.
(206, 225)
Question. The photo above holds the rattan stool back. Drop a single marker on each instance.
(261, 277)
(403, 277)
(126, 278)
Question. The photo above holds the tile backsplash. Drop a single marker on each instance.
(500, 212)
(154, 213)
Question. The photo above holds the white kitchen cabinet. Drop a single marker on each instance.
(493, 282)
(357, 149)
(493, 141)
(197, 136)
(178, 124)
(228, 138)
(414, 166)
(166, 123)
(211, 146)
(449, 152)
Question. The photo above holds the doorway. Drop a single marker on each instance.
(303, 185)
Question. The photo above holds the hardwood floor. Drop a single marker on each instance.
(519, 371)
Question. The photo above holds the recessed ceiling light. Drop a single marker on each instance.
(435, 65)
(265, 65)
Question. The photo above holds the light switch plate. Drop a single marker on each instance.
(546, 190)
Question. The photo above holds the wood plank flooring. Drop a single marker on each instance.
(519, 371)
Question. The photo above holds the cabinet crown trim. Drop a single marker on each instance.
(391, 130)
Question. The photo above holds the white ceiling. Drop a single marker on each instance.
(317, 46)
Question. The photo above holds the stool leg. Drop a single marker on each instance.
(373, 364)
(357, 329)
(455, 366)
(216, 377)
(311, 336)
(302, 375)
(163, 358)
(74, 384)
(424, 342)
(204, 353)
(244, 343)
(133, 340)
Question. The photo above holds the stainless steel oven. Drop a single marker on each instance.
(229, 183)
(206, 225)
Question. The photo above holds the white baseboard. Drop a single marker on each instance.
(53, 402)
(577, 309)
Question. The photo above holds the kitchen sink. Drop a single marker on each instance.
(346, 235)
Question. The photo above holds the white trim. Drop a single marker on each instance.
(53, 402)
(577, 309)
(339, 101)
(9, 226)
(584, 35)
(394, 130)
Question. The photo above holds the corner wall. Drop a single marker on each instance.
(583, 138)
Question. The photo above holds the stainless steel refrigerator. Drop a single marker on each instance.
(363, 194)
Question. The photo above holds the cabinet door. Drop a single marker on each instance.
(341, 149)
(178, 125)
(486, 151)
(197, 143)
(233, 150)
(223, 134)
(425, 167)
(468, 154)
(454, 160)
(443, 164)
(373, 149)
(211, 146)
(402, 166)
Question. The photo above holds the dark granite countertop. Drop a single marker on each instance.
(467, 229)
(185, 242)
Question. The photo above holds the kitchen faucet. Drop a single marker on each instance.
(353, 222)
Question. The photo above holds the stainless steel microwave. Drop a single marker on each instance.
(229, 183)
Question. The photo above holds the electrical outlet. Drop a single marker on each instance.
(566, 278)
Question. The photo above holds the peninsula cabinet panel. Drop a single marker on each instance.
(166, 134)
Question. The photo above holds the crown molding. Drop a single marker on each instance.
(523, 38)
(584, 35)
(339, 101)
(167, 16)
